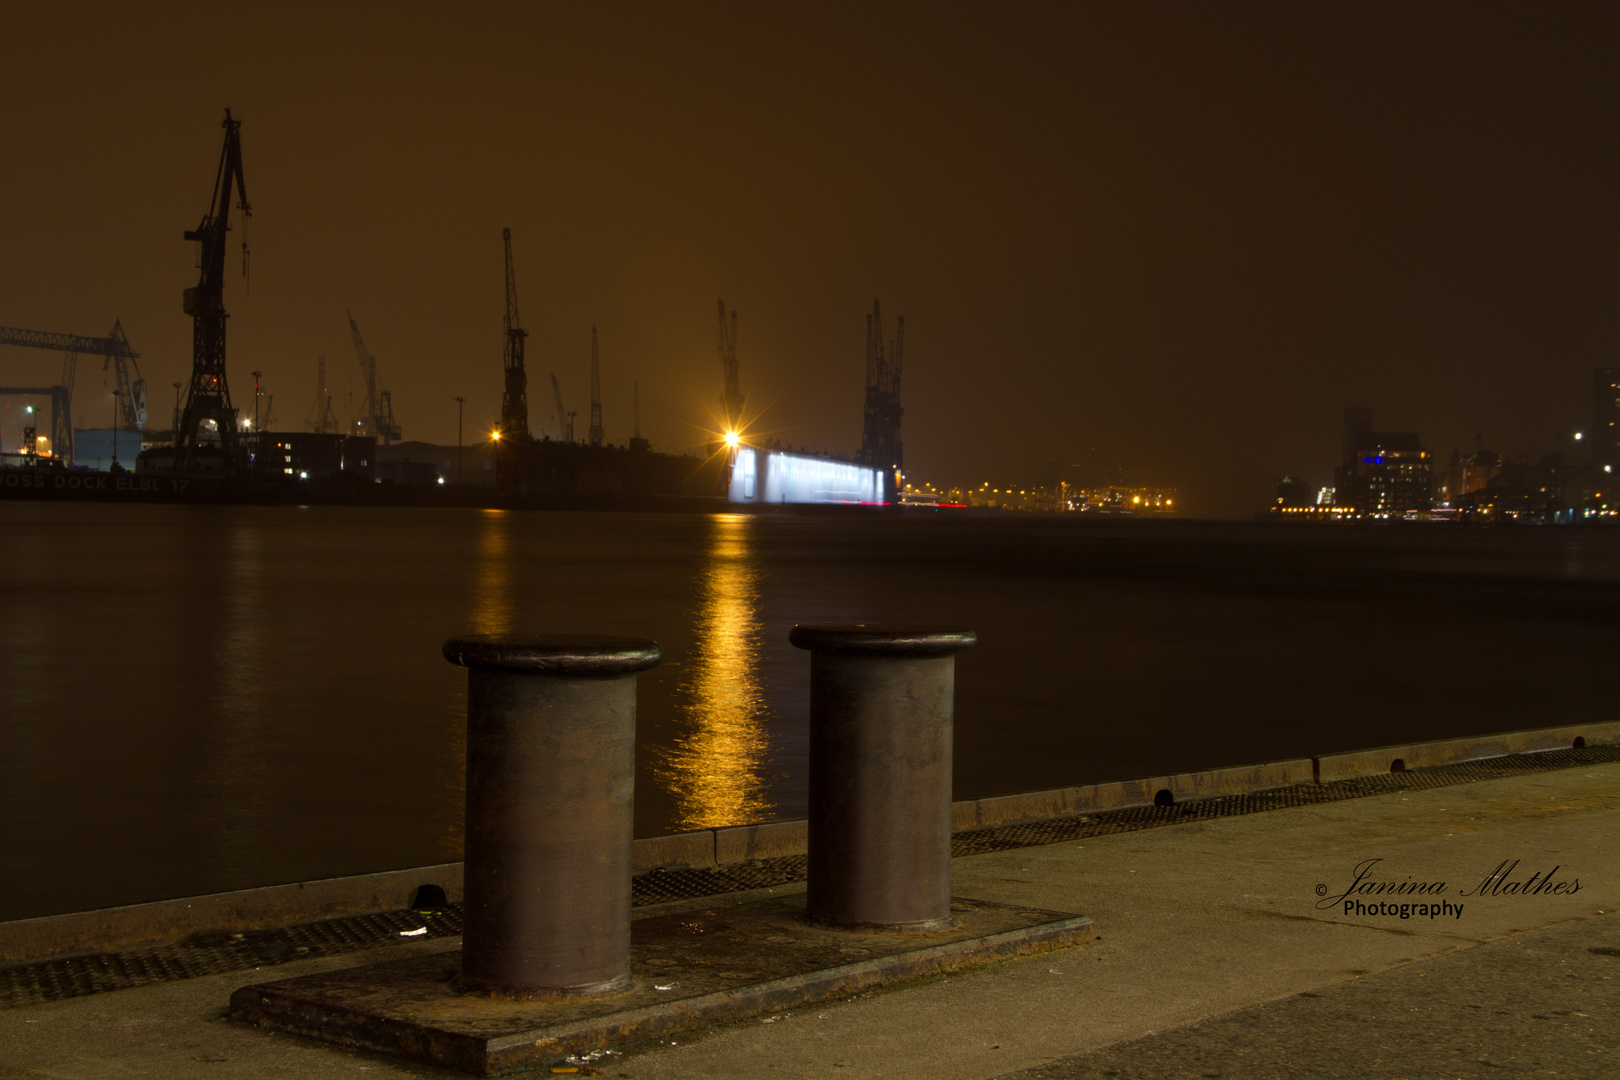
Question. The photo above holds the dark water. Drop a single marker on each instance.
(204, 698)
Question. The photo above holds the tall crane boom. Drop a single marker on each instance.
(131, 391)
(208, 399)
(377, 416)
(515, 396)
(368, 372)
(595, 430)
(731, 398)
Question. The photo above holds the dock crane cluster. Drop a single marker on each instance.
(116, 354)
(207, 435)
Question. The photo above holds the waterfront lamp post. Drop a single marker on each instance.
(115, 394)
(257, 375)
(459, 402)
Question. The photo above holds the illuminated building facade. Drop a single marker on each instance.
(1388, 475)
(773, 477)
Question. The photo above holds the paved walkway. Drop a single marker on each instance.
(1218, 958)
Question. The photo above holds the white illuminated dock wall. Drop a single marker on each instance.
(774, 477)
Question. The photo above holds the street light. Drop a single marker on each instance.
(257, 438)
(117, 392)
(459, 402)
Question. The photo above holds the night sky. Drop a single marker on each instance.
(1170, 238)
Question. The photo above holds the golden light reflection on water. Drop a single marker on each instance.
(491, 612)
(716, 769)
(493, 602)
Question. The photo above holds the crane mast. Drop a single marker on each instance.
(880, 434)
(321, 418)
(207, 438)
(595, 430)
(637, 443)
(377, 414)
(564, 422)
(515, 396)
(731, 398)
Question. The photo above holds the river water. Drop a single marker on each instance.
(198, 698)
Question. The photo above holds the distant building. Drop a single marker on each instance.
(308, 455)
(1468, 474)
(1292, 491)
(1388, 474)
(1606, 417)
(93, 448)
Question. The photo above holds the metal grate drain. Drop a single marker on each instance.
(213, 953)
(219, 952)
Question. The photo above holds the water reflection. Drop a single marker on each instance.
(716, 768)
(235, 737)
(491, 612)
(493, 602)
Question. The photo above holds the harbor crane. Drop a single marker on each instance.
(207, 437)
(116, 353)
(637, 443)
(880, 436)
(377, 416)
(515, 395)
(595, 430)
(731, 398)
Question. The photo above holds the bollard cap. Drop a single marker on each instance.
(554, 654)
(881, 639)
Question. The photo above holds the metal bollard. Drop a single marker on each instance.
(551, 746)
(881, 702)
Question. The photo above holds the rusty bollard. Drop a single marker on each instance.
(551, 726)
(881, 704)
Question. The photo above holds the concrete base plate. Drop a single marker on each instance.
(690, 971)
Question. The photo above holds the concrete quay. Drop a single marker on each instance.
(1222, 951)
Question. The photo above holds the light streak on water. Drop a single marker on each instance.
(716, 768)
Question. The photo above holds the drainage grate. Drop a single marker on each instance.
(218, 952)
(213, 953)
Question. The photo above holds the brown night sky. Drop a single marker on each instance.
(1167, 237)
